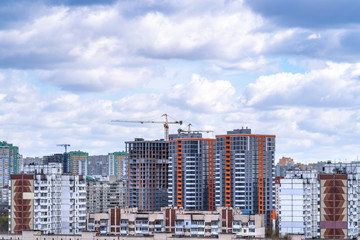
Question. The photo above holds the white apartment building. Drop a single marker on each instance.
(299, 211)
(55, 201)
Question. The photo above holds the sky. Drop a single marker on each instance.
(285, 68)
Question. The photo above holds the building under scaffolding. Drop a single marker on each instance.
(147, 174)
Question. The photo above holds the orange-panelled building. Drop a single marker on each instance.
(244, 172)
(191, 172)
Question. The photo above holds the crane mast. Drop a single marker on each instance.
(64, 145)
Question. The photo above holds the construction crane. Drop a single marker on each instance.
(166, 124)
(190, 131)
(64, 145)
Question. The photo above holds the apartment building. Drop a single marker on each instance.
(117, 165)
(191, 173)
(178, 222)
(78, 163)
(37, 235)
(244, 172)
(298, 204)
(98, 222)
(10, 163)
(347, 195)
(103, 194)
(147, 181)
(46, 199)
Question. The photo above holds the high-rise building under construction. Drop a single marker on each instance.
(191, 183)
(147, 166)
(244, 172)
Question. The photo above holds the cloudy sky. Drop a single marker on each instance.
(288, 68)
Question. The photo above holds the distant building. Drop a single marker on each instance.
(117, 163)
(62, 158)
(191, 171)
(78, 163)
(147, 182)
(286, 161)
(98, 165)
(46, 199)
(102, 195)
(244, 172)
(33, 161)
(10, 163)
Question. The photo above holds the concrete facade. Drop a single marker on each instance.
(147, 182)
(103, 195)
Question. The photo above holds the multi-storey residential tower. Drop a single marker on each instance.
(298, 207)
(9, 164)
(117, 165)
(147, 174)
(102, 195)
(78, 163)
(46, 199)
(333, 206)
(244, 172)
(191, 182)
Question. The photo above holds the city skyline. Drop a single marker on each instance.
(67, 70)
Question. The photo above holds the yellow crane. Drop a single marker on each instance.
(190, 131)
(166, 124)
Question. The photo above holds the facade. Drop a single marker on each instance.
(191, 173)
(182, 224)
(78, 163)
(117, 165)
(98, 165)
(103, 195)
(298, 206)
(147, 181)
(98, 222)
(37, 235)
(244, 172)
(46, 199)
(10, 163)
(277, 194)
(334, 206)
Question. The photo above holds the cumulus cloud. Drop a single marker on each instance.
(203, 95)
(335, 85)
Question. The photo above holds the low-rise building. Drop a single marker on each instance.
(178, 222)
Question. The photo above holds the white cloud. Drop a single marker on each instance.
(203, 95)
(335, 85)
(314, 36)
